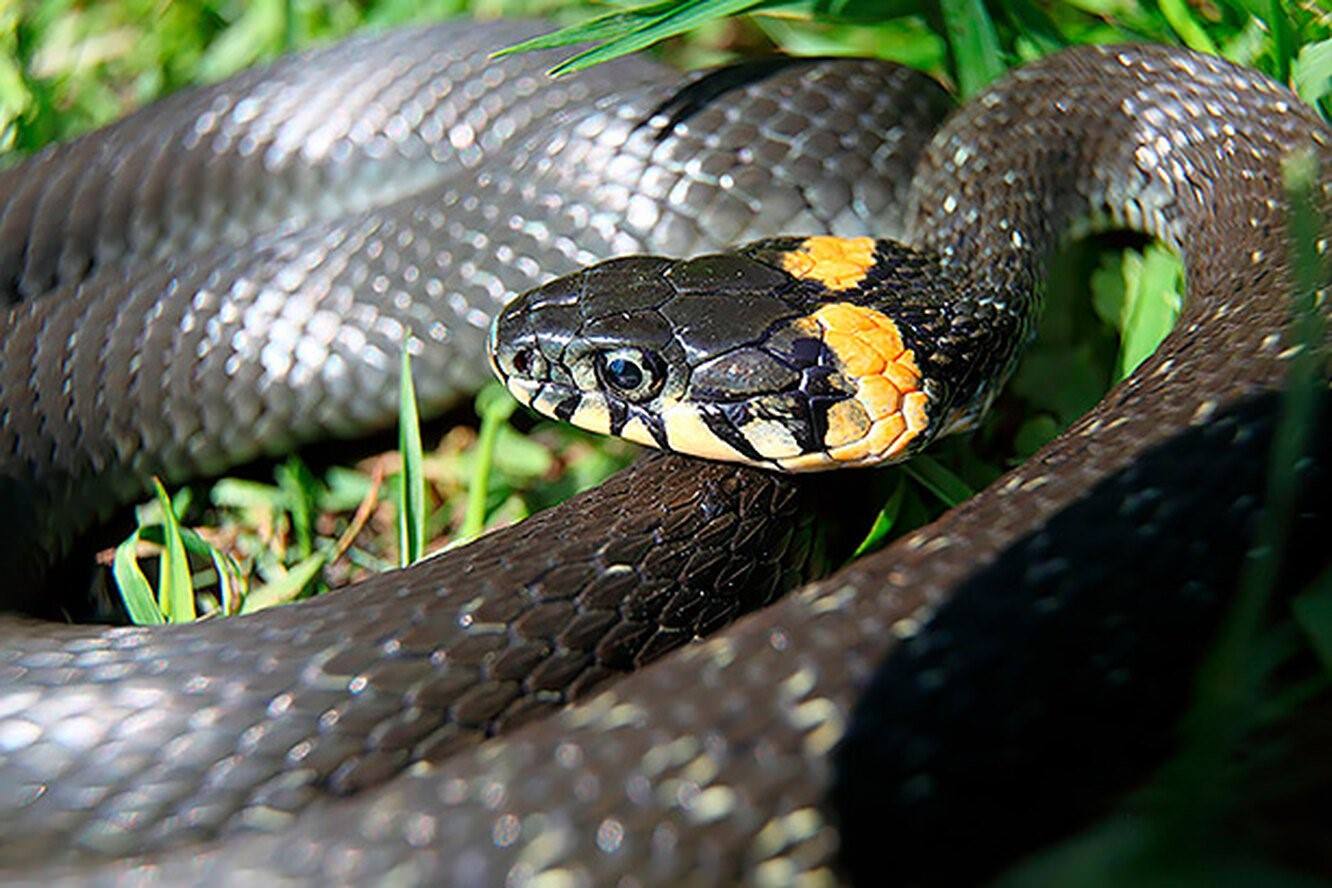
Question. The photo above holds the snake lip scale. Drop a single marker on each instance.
(413, 729)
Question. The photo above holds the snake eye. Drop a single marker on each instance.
(631, 372)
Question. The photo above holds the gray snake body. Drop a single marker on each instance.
(713, 765)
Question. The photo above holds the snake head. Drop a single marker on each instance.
(781, 354)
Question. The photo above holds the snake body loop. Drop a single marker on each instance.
(218, 752)
(283, 333)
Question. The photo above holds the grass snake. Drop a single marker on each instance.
(230, 273)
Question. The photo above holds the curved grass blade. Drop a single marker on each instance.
(135, 590)
(1180, 18)
(230, 582)
(1036, 25)
(285, 589)
(885, 521)
(938, 480)
(621, 33)
(300, 491)
(1312, 74)
(610, 26)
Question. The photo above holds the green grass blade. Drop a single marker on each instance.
(677, 19)
(176, 590)
(495, 406)
(1278, 25)
(300, 492)
(1035, 24)
(1313, 72)
(1247, 46)
(1152, 285)
(885, 521)
(1180, 18)
(135, 591)
(1313, 613)
(242, 493)
(975, 44)
(1229, 684)
(938, 480)
(610, 26)
(285, 589)
(411, 480)
(230, 579)
(230, 585)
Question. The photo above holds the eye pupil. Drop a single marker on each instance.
(624, 373)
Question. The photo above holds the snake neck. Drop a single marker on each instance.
(1144, 138)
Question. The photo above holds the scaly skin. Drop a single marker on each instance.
(712, 765)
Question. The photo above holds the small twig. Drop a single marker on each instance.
(363, 512)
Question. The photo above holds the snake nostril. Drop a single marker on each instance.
(522, 360)
(528, 362)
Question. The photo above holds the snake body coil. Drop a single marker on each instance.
(210, 752)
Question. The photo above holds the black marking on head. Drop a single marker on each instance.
(565, 409)
(818, 415)
(619, 415)
(719, 425)
(792, 410)
(657, 428)
(808, 352)
(797, 349)
(697, 95)
(825, 381)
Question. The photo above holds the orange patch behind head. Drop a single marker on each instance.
(889, 409)
(838, 263)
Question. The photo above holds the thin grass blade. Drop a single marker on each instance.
(938, 480)
(1036, 25)
(230, 582)
(411, 480)
(610, 26)
(884, 522)
(1312, 76)
(1278, 26)
(1181, 20)
(176, 590)
(300, 494)
(680, 18)
(286, 589)
(1313, 614)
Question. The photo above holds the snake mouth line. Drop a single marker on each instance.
(522, 389)
(562, 402)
